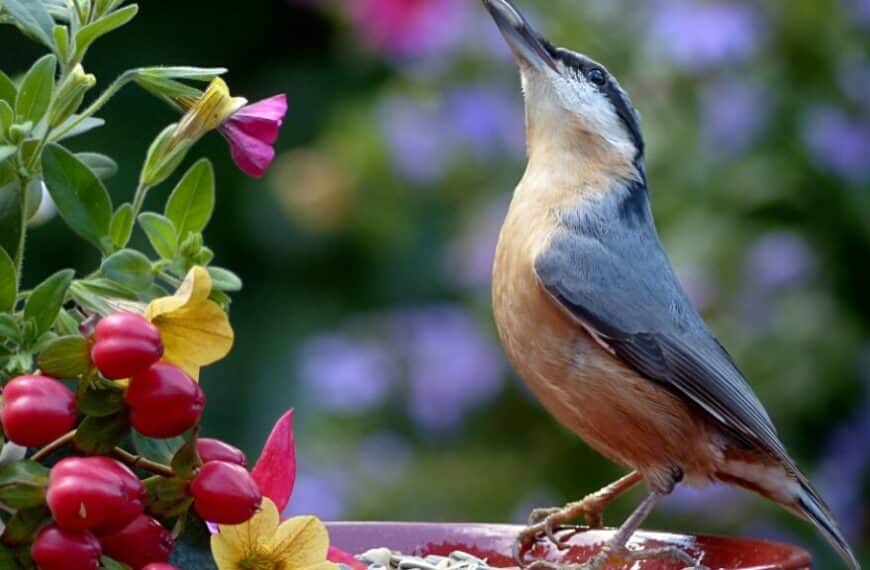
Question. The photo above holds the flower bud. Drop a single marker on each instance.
(37, 410)
(208, 112)
(125, 344)
(225, 493)
(164, 401)
(58, 549)
(70, 95)
(164, 156)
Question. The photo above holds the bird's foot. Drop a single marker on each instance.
(624, 555)
(545, 522)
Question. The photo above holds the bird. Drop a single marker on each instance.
(592, 317)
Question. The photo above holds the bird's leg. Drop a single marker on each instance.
(546, 521)
(616, 548)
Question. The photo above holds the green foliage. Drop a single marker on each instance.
(129, 268)
(32, 18)
(65, 357)
(47, 298)
(8, 282)
(23, 484)
(161, 233)
(37, 88)
(99, 435)
(90, 33)
(80, 196)
(192, 201)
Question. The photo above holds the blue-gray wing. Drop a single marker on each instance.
(611, 274)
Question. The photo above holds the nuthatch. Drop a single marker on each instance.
(592, 317)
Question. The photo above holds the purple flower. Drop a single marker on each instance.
(733, 114)
(780, 259)
(415, 137)
(408, 28)
(453, 366)
(252, 132)
(859, 9)
(696, 37)
(838, 143)
(468, 260)
(344, 374)
(323, 494)
(484, 119)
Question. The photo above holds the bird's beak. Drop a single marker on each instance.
(523, 40)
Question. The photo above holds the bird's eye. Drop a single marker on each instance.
(596, 75)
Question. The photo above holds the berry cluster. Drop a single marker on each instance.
(96, 506)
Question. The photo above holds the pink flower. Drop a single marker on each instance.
(275, 475)
(408, 28)
(252, 132)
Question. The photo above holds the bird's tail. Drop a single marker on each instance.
(786, 485)
(809, 505)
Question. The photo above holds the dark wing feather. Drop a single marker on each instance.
(614, 277)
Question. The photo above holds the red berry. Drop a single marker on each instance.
(94, 493)
(125, 344)
(58, 549)
(142, 541)
(160, 566)
(217, 450)
(37, 410)
(225, 493)
(164, 401)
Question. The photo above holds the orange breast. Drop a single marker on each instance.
(619, 413)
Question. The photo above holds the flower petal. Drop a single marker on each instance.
(275, 471)
(234, 542)
(301, 542)
(274, 109)
(250, 154)
(195, 330)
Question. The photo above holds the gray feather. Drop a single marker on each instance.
(606, 266)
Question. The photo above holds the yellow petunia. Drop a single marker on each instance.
(195, 330)
(266, 543)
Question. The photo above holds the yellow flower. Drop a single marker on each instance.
(195, 330)
(265, 543)
(208, 112)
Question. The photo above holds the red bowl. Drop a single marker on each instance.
(494, 543)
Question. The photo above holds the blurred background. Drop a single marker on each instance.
(366, 250)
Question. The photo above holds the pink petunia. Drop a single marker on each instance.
(252, 132)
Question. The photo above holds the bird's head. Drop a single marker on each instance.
(574, 107)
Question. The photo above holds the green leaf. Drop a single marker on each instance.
(93, 31)
(108, 288)
(107, 563)
(6, 151)
(80, 197)
(158, 450)
(100, 399)
(167, 498)
(66, 324)
(10, 215)
(224, 279)
(37, 87)
(9, 328)
(23, 484)
(191, 203)
(32, 18)
(186, 461)
(65, 357)
(8, 90)
(21, 527)
(83, 126)
(8, 282)
(100, 164)
(161, 233)
(182, 72)
(47, 298)
(60, 35)
(129, 268)
(33, 198)
(7, 117)
(161, 86)
(100, 435)
(121, 227)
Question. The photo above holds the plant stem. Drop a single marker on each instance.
(143, 463)
(139, 199)
(53, 446)
(22, 237)
(110, 92)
